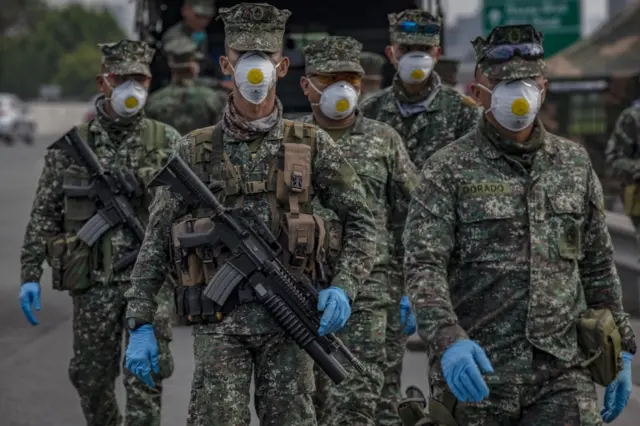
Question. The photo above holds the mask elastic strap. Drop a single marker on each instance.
(313, 86)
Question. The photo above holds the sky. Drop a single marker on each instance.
(594, 11)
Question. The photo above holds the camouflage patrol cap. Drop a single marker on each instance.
(202, 7)
(372, 63)
(333, 54)
(127, 57)
(254, 27)
(519, 45)
(415, 27)
(181, 52)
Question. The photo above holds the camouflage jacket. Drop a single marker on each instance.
(377, 154)
(334, 182)
(121, 151)
(623, 147)
(186, 106)
(448, 117)
(180, 30)
(508, 257)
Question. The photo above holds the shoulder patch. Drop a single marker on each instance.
(468, 101)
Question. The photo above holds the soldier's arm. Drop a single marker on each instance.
(621, 147)
(429, 239)
(339, 189)
(401, 185)
(46, 216)
(150, 269)
(468, 117)
(598, 273)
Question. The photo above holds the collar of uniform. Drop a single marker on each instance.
(277, 133)
(489, 149)
(358, 126)
(434, 104)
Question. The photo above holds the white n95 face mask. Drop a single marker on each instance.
(338, 100)
(415, 67)
(128, 98)
(255, 75)
(515, 104)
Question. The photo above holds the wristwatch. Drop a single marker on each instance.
(135, 323)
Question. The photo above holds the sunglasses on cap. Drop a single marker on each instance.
(506, 52)
(329, 79)
(411, 27)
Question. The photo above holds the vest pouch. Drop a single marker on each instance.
(599, 338)
(70, 261)
(187, 263)
(299, 231)
(78, 207)
(293, 179)
(631, 200)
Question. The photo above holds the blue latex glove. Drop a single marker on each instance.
(30, 295)
(198, 37)
(406, 316)
(462, 365)
(142, 354)
(617, 394)
(334, 302)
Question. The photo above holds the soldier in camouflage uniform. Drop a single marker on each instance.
(122, 139)
(196, 17)
(372, 64)
(506, 247)
(251, 134)
(428, 116)
(184, 104)
(377, 153)
(623, 161)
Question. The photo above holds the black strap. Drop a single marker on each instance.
(217, 147)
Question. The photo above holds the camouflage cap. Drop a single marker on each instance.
(181, 51)
(202, 7)
(415, 27)
(127, 57)
(372, 63)
(254, 27)
(333, 54)
(518, 66)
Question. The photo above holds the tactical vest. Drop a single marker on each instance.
(77, 210)
(289, 191)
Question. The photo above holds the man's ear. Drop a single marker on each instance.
(225, 65)
(100, 85)
(388, 51)
(283, 67)
(437, 53)
(304, 85)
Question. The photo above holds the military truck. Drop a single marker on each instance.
(367, 22)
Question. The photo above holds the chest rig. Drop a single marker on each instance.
(288, 190)
(73, 262)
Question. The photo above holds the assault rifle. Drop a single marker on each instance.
(256, 260)
(111, 193)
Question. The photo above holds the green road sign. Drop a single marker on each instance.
(558, 20)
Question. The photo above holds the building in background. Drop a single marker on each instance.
(616, 6)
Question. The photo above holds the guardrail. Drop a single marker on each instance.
(626, 258)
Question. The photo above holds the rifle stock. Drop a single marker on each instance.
(256, 262)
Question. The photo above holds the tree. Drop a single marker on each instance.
(77, 71)
(20, 14)
(32, 58)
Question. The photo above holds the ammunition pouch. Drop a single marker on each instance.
(631, 200)
(599, 338)
(292, 188)
(78, 207)
(71, 263)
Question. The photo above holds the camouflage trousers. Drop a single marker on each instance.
(98, 329)
(224, 366)
(395, 341)
(567, 399)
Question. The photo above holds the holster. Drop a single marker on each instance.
(599, 338)
(413, 410)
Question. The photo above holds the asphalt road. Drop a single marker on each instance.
(34, 387)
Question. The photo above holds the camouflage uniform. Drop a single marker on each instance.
(447, 69)
(379, 158)
(623, 159)
(99, 307)
(426, 122)
(373, 64)
(248, 338)
(507, 245)
(182, 30)
(184, 104)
